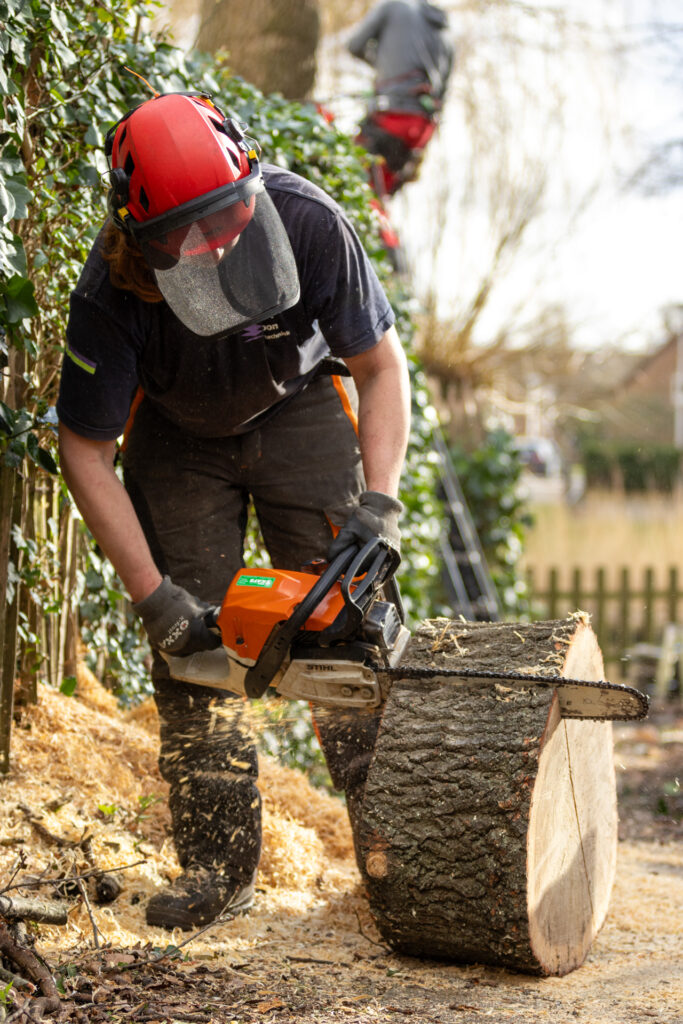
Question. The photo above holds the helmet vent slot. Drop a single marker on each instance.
(129, 165)
(144, 200)
(235, 160)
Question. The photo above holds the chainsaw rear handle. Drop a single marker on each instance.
(378, 572)
(346, 564)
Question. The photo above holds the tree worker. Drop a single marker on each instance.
(227, 325)
(408, 45)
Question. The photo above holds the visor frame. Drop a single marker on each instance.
(202, 206)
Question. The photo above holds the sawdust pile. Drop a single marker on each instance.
(84, 792)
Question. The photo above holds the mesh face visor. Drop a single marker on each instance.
(222, 261)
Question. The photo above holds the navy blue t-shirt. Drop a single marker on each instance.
(117, 343)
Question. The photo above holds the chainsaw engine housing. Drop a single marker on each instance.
(257, 600)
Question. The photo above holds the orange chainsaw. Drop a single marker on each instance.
(316, 635)
(335, 636)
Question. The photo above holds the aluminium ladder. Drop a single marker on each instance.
(466, 576)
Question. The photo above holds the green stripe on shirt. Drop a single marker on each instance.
(80, 361)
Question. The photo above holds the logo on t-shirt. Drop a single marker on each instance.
(267, 332)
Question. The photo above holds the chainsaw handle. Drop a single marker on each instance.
(211, 617)
(378, 561)
(386, 558)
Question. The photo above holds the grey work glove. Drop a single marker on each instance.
(375, 516)
(175, 621)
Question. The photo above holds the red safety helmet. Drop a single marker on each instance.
(177, 162)
(187, 185)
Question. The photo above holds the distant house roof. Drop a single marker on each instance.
(654, 371)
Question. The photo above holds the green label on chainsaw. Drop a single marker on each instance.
(255, 581)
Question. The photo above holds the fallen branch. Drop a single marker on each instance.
(23, 909)
(37, 824)
(30, 965)
(16, 980)
(37, 883)
(96, 934)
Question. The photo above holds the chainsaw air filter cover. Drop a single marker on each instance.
(258, 599)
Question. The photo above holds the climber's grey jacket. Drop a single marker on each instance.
(407, 43)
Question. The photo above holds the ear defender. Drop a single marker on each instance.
(117, 197)
(119, 191)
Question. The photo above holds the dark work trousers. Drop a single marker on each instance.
(302, 471)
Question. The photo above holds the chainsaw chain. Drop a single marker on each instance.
(418, 672)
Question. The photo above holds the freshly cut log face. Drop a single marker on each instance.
(488, 826)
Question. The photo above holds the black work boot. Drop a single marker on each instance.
(209, 760)
(199, 896)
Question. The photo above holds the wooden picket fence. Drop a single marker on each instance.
(626, 608)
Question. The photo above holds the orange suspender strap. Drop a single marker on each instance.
(134, 405)
(345, 401)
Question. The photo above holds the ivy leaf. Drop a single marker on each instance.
(40, 456)
(93, 580)
(59, 22)
(22, 197)
(20, 299)
(12, 254)
(7, 419)
(93, 136)
(7, 204)
(14, 455)
(68, 686)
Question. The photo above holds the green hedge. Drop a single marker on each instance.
(635, 466)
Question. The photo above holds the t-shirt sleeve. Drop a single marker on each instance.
(349, 304)
(99, 372)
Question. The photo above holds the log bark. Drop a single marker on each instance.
(487, 827)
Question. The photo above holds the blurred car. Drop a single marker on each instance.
(540, 456)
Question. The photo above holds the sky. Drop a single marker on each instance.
(564, 101)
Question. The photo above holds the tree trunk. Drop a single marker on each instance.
(271, 43)
(488, 825)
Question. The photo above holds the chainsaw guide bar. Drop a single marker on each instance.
(579, 698)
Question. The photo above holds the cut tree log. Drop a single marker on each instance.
(487, 828)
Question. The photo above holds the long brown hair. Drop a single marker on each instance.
(127, 266)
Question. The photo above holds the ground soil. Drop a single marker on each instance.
(308, 951)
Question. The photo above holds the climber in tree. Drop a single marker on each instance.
(408, 45)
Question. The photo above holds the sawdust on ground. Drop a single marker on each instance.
(84, 792)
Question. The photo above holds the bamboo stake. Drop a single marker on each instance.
(41, 537)
(72, 622)
(8, 478)
(29, 657)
